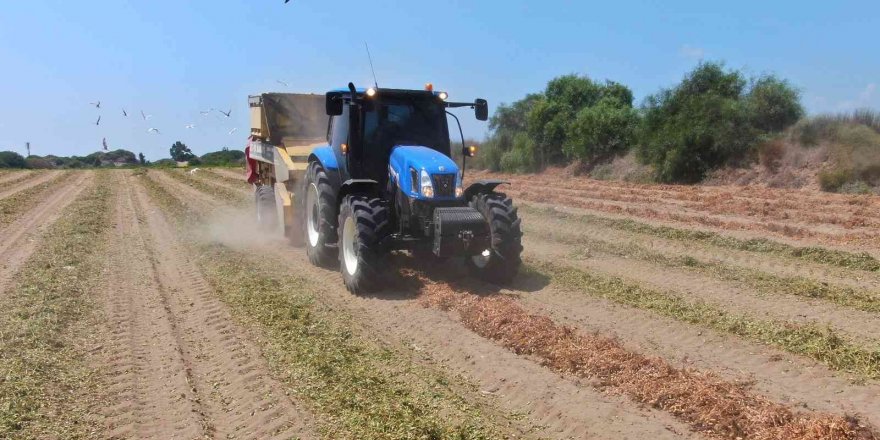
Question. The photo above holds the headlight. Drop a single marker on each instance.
(459, 185)
(426, 185)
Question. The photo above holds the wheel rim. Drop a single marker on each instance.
(312, 215)
(482, 259)
(349, 246)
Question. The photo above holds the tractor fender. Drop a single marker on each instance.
(482, 187)
(357, 186)
(324, 155)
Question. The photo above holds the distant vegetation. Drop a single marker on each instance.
(714, 117)
(120, 158)
(853, 143)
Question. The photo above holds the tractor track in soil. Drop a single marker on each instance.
(562, 405)
(30, 181)
(777, 374)
(19, 239)
(179, 366)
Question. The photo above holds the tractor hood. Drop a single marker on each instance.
(406, 158)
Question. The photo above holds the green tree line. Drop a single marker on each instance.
(714, 116)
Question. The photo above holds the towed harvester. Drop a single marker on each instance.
(356, 173)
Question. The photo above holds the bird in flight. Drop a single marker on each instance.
(190, 125)
(233, 130)
(286, 1)
(281, 82)
(226, 113)
(104, 143)
(124, 113)
(98, 122)
(206, 112)
(96, 104)
(153, 130)
(145, 116)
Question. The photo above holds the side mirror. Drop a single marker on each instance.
(334, 104)
(481, 108)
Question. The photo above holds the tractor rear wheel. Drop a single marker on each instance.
(363, 223)
(320, 217)
(501, 262)
(267, 217)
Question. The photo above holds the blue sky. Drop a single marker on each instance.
(174, 58)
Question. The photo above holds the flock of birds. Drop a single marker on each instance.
(154, 130)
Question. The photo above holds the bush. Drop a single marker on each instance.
(11, 159)
(770, 154)
(37, 162)
(602, 131)
(575, 118)
(521, 158)
(773, 104)
(711, 119)
(224, 157)
(832, 180)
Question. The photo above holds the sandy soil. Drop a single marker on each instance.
(31, 180)
(180, 367)
(19, 239)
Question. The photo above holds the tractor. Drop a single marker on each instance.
(355, 174)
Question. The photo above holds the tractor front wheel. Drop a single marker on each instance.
(501, 261)
(267, 217)
(363, 223)
(320, 213)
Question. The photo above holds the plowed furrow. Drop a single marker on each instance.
(214, 350)
(572, 230)
(19, 239)
(8, 190)
(12, 177)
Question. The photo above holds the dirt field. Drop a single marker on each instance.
(144, 305)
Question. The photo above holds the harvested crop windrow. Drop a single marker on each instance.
(9, 179)
(824, 234)
(703, 400)
(355, 388)
(44, 320)
(223, 176)
(13, 206)
(817, 342)
(209, 188)
(832, 257)
(761, 281)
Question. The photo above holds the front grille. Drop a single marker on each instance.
(444, 185)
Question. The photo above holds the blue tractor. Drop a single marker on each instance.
(383, 180)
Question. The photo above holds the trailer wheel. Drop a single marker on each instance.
(267, 217)
(320, 216)
(363, 222)
(501, 262)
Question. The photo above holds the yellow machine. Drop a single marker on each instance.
(285, 128)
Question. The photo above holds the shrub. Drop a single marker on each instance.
(521, 158)
(11, 159)
(602, 131)
(37, 162)
(773, 104)
(224, 157)
(710, 119)
(770, 154)
(832, 180)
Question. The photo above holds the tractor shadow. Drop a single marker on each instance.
(407, 276)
